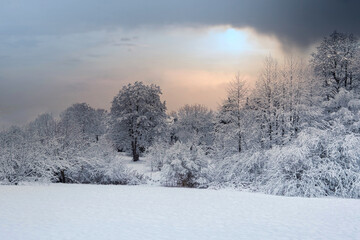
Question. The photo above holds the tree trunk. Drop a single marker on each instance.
(134, 149)
(239, 143)
(62, 176)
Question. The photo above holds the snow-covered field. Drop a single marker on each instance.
(59, 211)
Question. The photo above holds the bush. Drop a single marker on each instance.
(99, 164)
(117, 173)
(185, 166)
(318, 163)
(157, 155)
(241, 170)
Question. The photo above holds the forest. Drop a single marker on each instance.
(296, 133)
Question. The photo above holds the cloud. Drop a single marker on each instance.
(128, 39)
(21, 101)
(55, 53)
(293, 22)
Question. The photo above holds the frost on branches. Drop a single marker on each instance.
(137, 116)
(185, 165)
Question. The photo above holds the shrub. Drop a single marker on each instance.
(185, 166)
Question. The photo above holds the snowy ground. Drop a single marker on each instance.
(143, 167)
(60, 211)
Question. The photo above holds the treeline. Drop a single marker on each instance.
(296, 133)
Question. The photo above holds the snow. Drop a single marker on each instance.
(140, 166)
(71, 211)
(143, 167)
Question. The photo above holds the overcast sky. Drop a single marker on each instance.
(55, 53)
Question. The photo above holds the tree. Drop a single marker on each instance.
(230, 122)
(24, 155)
(194, 124)
(265, 102)
(284, 101)
(42, 134)
(137, 116)
(298, 101)
(336, 63)
(80, 126)
(83, 122)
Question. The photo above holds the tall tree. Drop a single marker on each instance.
(230, 124)
(265, 97)
(284, 101)
(137, 116)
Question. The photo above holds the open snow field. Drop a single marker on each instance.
(59, 211)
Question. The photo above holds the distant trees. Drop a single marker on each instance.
(137, 116)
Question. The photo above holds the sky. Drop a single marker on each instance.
(56, 53)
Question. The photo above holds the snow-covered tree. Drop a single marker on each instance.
(284, 101)
(79, 127)
(265, 102)
(298, 101)
(194, 124)
(231, 119)
(138, 117)
(24, 157)
(336, 63)
(83, 122)
(43, 135)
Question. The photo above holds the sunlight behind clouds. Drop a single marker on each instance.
(231, 41)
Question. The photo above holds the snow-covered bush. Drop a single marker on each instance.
(292, 170)
(185, 166)
(240, 170)
(318, 163)
(103, 171)
(117, 173)
(23, 159)
(100, 165)
(157, 155)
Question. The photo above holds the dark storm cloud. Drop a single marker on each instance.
(299, 22)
